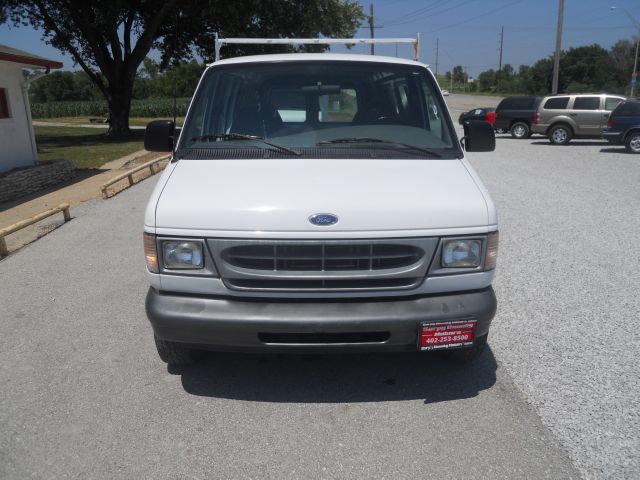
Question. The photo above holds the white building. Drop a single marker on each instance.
(17, 140)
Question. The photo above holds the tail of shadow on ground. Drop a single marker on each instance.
(576, 142)
(337, 378)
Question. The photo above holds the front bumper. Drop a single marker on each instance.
(270, 325)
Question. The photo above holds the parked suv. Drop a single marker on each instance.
(319, 203)
(563, 117)
(623, 127)
(515, 115)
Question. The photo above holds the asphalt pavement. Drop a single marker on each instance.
(84, 395)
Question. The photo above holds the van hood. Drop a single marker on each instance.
(280, 195)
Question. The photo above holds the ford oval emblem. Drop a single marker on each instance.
(323, 219)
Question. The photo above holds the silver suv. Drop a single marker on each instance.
(563, 117)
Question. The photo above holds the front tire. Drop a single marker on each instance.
(174, 353)
(560, 135)
(520, 130)
(632, 142)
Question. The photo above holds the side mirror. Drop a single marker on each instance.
(158, 137)
(479, 136)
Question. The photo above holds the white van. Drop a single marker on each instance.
(319, 203)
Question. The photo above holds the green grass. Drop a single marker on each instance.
(85, 147)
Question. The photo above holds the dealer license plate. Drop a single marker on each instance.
(443, 335)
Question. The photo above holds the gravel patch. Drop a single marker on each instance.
(567, 287)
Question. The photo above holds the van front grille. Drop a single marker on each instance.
(322, 265)
(322, 257)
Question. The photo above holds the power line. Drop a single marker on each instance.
(414, 18)
(417, 12)
(477, 16)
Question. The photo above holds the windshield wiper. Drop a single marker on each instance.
(379, 140)
(240, 136)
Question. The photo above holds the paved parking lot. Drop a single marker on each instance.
(84, 395)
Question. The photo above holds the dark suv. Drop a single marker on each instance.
(515, 115)
(623, 126)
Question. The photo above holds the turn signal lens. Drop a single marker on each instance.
(492, 251)
(150, 252)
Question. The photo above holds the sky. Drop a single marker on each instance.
(467, 31)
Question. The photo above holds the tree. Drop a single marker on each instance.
(506, 79)
(61, 86)
(589, 68)
(622, 55)
(541, 76)
(459, 75)
(487, 80)
(524, 83)
(109, 39)
(180, 79)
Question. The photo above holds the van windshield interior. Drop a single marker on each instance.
(316, 104)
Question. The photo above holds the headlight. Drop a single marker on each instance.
(182, 255)
(461, 253)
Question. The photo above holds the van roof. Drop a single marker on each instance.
(298, 57)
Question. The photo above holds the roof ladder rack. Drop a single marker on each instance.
(219, 42)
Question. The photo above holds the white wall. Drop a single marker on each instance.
(16, 135)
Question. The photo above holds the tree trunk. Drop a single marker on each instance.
(120, 107)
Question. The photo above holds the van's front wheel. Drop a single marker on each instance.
(174, 353)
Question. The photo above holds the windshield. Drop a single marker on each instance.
(392, 109)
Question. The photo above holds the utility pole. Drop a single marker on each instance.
(500, 61)
(556, 58)
(634, 74)
(437, 57)
(371, 27)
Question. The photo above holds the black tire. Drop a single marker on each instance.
(465, 355)
(560, 134)
(520, 130)
(176, 354)
(632, 142)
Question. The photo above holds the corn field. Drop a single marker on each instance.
(149, 107)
